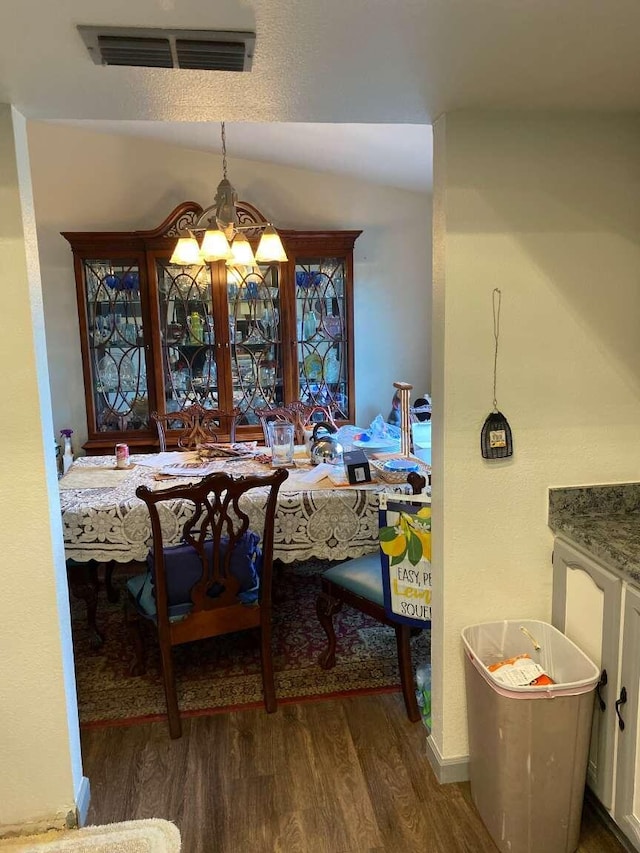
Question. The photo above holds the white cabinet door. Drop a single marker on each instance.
(627, 806)
(586, 607)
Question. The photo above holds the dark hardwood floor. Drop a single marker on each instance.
(337, 776)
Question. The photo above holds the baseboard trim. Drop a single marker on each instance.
(58, 821)
(447, 769)
(605, 818)
(83, 798)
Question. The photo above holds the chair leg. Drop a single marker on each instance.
(326, 608)
(113, 593)
(173, 711)
(134, 631)
(406, 672)
(83, 583)
(266, 655)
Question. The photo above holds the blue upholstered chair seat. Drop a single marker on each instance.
(362, 576)
(141, 590)
(183, 569)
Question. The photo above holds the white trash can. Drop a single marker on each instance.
(528, 745)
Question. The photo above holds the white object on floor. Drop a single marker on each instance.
(154, 835)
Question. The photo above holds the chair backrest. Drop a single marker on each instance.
(217, 581)
(417, 482)
(301, 415)
(198, 425)
(310, 414)
(276, 413)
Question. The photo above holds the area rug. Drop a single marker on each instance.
(224, 673)
(153, 835)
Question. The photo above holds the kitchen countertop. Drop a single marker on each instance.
(603, 520)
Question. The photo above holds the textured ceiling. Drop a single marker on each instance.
(340, 61)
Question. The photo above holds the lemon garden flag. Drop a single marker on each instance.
(405, 551)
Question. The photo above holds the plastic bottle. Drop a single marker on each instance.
(58, 457)
(67, 456)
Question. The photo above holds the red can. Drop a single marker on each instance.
(122, 455)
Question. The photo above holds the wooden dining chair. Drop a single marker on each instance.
(280, 414)
(216, 582)
(358, 583)
(197, 424)
(309, 414)
(301, 415)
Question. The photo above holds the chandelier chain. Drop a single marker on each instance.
(497, 303)
(224, 152)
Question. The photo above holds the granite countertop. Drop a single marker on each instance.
(603, 520)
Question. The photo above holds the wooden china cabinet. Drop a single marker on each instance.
(156, 336)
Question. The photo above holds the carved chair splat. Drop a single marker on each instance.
(216, 583)
(199, 425)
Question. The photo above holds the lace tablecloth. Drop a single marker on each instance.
(111, 523)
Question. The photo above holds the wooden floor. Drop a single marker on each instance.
(325, 777)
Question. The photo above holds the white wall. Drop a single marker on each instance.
(39, 737)
(88, 181)
(547, 208)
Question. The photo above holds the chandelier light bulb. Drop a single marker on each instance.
(270, 248)
(242, 252)
(186, 252)
(215, 246)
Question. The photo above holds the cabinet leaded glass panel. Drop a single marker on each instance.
(253, 298)
(188, 336)
(116, 343)
(321, 331)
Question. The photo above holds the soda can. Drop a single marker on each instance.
(122, 455)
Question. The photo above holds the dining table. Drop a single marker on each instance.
(104, 523)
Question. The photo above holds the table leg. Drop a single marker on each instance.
(83, 583)
(113, 594)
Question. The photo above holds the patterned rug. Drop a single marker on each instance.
(224, 673)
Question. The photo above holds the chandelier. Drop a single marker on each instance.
(223, 239)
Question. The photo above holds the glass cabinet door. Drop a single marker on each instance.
(116, 344)
(321, 329)
(187, 336)
(253, 298)
(157, 335)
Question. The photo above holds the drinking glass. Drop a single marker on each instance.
(281, 441)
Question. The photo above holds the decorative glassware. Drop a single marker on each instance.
(281, 441)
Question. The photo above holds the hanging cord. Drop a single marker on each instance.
(224, 152)
(497, 300)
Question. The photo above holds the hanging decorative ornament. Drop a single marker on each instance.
(496, 441)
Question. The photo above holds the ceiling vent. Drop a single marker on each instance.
(207, 50)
